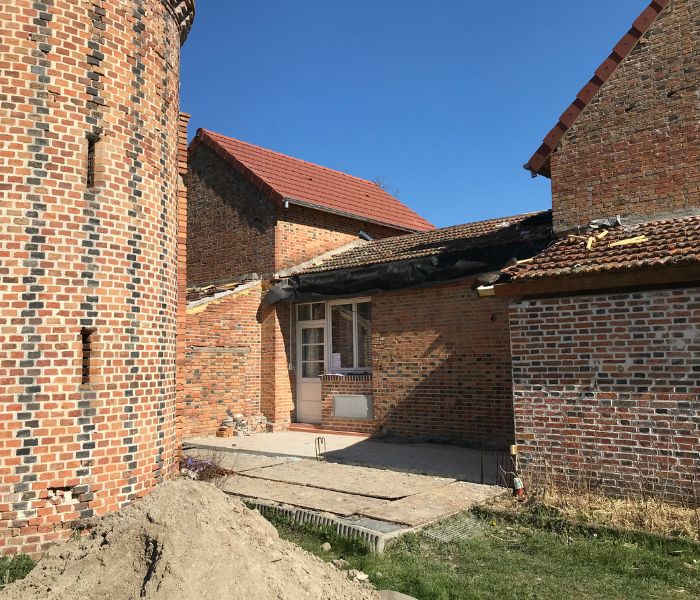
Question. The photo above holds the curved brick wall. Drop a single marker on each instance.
(72, 257)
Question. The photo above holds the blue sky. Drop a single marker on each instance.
(443, 100)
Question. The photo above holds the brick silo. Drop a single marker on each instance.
(89, 199)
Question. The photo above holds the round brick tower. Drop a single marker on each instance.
(89, 194)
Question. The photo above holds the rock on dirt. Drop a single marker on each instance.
(187, 540)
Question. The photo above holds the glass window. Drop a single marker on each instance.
(311, 312)
(364, 335)
(351, 338)
(312, 350)
(342, 351)
(318, 311)
(304, 312)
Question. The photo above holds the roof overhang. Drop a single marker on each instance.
(608, 282)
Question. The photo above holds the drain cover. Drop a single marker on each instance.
(455, 530)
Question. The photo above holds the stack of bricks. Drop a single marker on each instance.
(88, 240)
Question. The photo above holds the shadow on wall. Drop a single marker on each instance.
(442, 366)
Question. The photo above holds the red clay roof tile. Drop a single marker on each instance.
(670, 242)
(530, 229)
(539, 162)
(285, 178)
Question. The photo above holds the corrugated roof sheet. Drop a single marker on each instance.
(287, 178)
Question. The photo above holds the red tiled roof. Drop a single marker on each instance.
(672, 242)
(539, 163)
(527, 229)
(285, 178)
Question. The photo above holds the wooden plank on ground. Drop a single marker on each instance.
(363, 481)
(299, 495)
(430, 506)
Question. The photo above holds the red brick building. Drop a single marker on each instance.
(605, 328)
(385, 336)
(89, 118)
(252, 213)
(382, 336)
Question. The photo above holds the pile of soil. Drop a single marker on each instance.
(187, 540)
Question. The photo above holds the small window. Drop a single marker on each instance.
(91, 151)
(351, 336)
(311, 312)
(86, 335)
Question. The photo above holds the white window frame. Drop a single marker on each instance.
(329, 335)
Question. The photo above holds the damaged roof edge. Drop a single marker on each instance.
(398, 275)
(612, 281)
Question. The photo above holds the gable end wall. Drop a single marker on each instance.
(230, 223)
(635, 150)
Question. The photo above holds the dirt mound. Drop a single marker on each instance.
(189, 541)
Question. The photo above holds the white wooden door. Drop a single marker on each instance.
(311, 352)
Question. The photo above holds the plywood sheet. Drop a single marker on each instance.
(427, 507)
(302, 496)
(363, 481)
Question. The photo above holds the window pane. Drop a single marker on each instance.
(311, 369)
(364, 335)
(313, 353)
(312, 336)
(318, 311)
(304, 312)
(341, 327)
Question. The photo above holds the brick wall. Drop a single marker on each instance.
(74, 257)
(441, 365)
(277, 379)
(234, 228)
(607, 390)
(303, 233)
(222, 364)
(331, 385)
(635, 150)
(230, 229)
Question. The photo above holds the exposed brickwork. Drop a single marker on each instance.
(181, 342)
(635, 150)
(277, 379)
(441, 365)
(440, 359)
(222, 361)
(303, 233)
(344, 384)
(230, 223)
(74, 257)
(234, 229)
(607, 392)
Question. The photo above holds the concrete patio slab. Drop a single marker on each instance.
(364, 481)
(443, 460)
(364, 486)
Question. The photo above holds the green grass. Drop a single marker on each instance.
(14, 567)
(518, 560)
